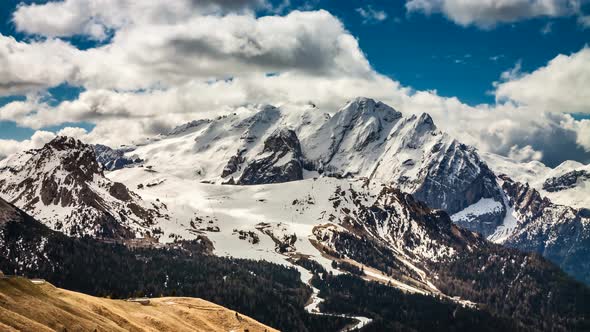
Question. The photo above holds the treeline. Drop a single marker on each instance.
(394, 310)
(270, 293)
(526, 287)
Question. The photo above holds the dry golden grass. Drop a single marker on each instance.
(25, 306)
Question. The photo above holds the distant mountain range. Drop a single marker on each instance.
(365, 191)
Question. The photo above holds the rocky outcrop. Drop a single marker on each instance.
(483, 217)
(233, 164)
(8, 213)
(559, 233)
(457, 179)
(280, 160)
(113, 159)
(565, 181)
(525, 200)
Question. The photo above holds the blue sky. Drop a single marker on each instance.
(426, 51)
(431, 52)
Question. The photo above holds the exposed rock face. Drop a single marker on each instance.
(559, 233)
(403, 238)
(280, 160)
(120, 192)
(566, 181)
(481, 217)
(525, 200)
(393, 233)
(113, 159)
(456, 180)
(233, 164)
(63, 185)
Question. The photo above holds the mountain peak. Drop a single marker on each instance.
(70, 154)
(64, 185)
(370, 107)
(61, 143)
(426, 120)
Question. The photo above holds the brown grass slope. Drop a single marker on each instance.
(25, 306)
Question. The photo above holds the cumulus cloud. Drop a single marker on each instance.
(488, 13)
(560, 86)
(197, 99)
(163, 66)
(583, 129)
(29, 67)
(148, 53)
(95, 19)
(371, 15)
(524, 154)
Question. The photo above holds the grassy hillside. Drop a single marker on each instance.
(25, 306)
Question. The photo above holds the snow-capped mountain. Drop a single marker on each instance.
(548, 211)
(305, 164)
(567, 184)
(364, 139)
(558, 232)
(325, 219)
(63, 185)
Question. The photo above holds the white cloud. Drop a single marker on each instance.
(488, 13)
(513, 73)
(29, 67)
(96, 18)
(37, 140)
(583, 129)
(524, 154)
(561, 86)
(164, 66)
(8, 147)
(72, 132)
(149, 52)
(371, 15)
